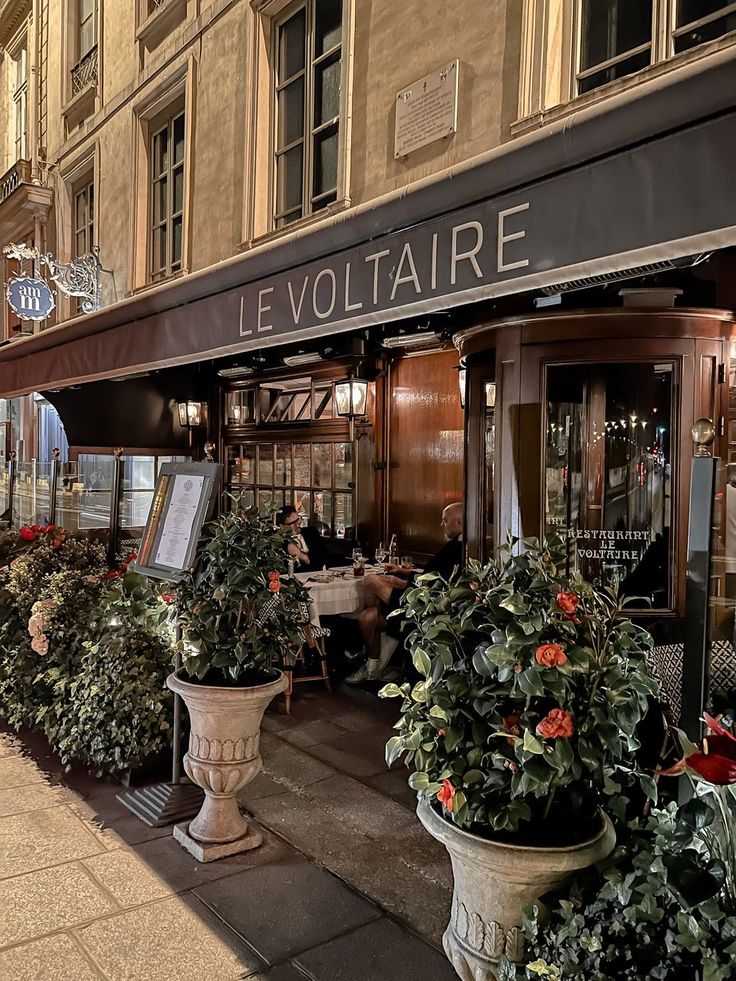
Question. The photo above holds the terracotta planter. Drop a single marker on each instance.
(223, 757)
(493, 882)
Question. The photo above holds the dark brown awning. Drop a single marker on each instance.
(491, 227)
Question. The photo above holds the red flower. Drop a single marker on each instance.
(568, 602)
(113, 574)
(132, 557)
(273, 576)
(557, 724)
(442, 731)
(27, 534)
(167, 598)
(550, 655)
(275, 585)
(716, 761)
(445, 795)
(511, 724)
(56, 542)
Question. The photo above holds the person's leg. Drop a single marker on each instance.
(371, 622)
(377, 590)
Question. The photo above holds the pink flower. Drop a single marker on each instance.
(568, 603)
(40, 644)
(557, 724)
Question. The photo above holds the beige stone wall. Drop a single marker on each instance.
(393, 46)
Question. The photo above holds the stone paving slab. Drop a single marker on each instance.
(58, 958)
(289, 766)
(49, 900)
(173, 938)
(31, 797)
(17, 771)
(360, 806)
(10, 745)
(284, 972)
(40, 839)
(113, 824)
(380, 951)
(286, 907)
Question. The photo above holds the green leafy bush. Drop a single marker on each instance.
(239, 619)
(84, 653)
(662, 907)
(524, 721)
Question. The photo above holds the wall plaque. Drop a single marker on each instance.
(427, 110)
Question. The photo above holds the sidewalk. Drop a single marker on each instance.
(346, 887)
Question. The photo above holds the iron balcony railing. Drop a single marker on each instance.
(19, 173)
(85, 72)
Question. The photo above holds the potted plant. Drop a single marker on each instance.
(239, 620)
(521, 727)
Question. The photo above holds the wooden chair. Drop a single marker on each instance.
(313, 638)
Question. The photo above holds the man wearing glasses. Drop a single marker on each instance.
(307, 547)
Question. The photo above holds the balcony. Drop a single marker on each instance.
(21, 200)
(157, 19)
(84, 78)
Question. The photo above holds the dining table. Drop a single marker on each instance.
(334, 591)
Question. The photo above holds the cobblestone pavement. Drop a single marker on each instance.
(346, 887)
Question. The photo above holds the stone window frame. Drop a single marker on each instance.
(550, 55)
(258, 176)
(155, 101)
(17, 51)
(82, 170)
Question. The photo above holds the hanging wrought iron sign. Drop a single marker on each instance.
(31, 297)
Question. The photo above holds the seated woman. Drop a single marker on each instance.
(307, 547)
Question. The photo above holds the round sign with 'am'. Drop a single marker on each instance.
(30, 299)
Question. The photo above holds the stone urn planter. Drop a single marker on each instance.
(493, 882)
(223, 757)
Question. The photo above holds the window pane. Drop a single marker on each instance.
(343, 464)
(620, 70)
(323, 513)
(612, 27)
(302, 469)
(282, 476)
(159, 248)
(612, 422)
(328, 27)
(291, 113)
(178, 190)
(303, 505)
(160, 154)
(706, 32)
(291, 46)
(86, 37)
(265, 464)
(290, 179)
(690, 10)
(325, 162)
(178, 139)
(343, 516)
(322, 463)
(176, 242)
(86, 9)
(327, 90)
(81, 216)
(160, 200)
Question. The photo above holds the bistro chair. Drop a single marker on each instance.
(313, 639)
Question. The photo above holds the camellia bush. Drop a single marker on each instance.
(532, 687)
(84, 652)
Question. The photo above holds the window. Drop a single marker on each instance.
(699, 21)
(84, 222)
(20, 103)
(85, 53)
(86, 27)
(166, 148)
(615, 40)
(308, 86)
(317, 478)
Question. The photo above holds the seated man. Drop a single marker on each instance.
(382, 595)
(308, 549)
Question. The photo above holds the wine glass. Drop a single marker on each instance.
(357, 554)
(381, 554)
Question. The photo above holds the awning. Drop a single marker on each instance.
(492, 227)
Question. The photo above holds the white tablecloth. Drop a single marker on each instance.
(342, 594)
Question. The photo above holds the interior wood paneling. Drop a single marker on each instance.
(426, 451)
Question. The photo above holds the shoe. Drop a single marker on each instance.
(388, 646)
(370, 671)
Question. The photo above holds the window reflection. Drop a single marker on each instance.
(608, 472)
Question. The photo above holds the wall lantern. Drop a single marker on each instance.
(351, 399)
(490, 389)
(461, 375)
(190, 414)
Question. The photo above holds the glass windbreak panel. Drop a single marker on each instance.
(95, 473)
(322, 463)
(343, 464)
(608, 474)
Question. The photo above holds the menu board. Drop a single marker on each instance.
(182, 500)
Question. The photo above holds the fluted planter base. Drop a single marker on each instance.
(493, 882)
(223, 757)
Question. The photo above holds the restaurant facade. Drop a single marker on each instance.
(530, 312)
